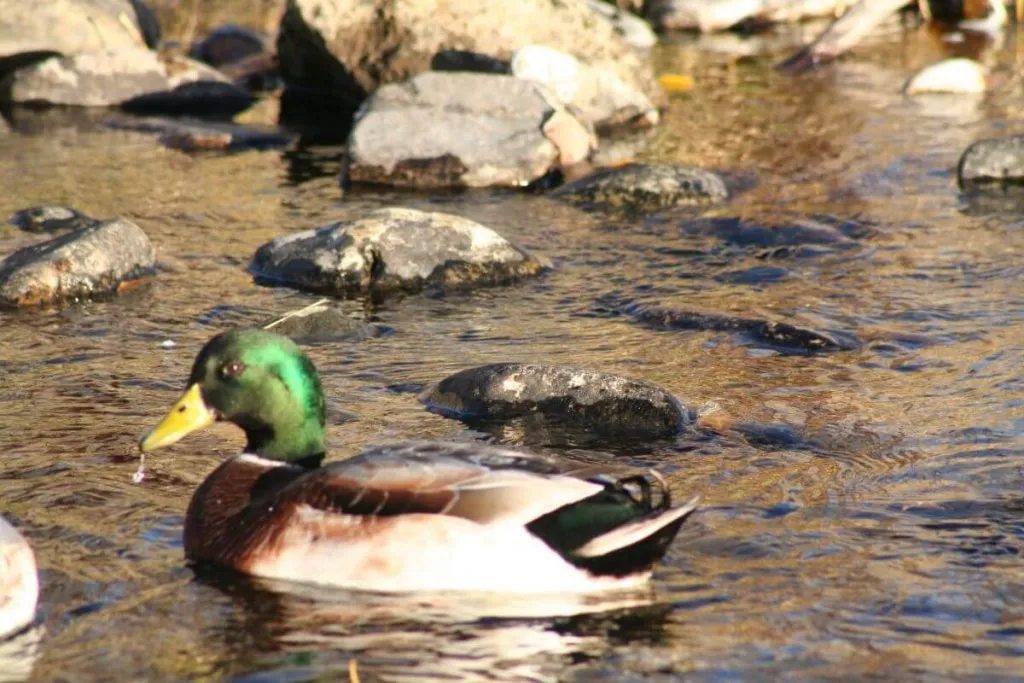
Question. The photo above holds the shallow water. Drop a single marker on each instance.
(887, 543)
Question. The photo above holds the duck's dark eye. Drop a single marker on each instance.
(231, 369)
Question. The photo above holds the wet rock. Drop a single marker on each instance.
(243, 55)
(392, 249)
(602, 401)
(770, 233)
(778, 335)
(322, 323)
(30, 31)
(444, 129)
(204, 136)
(95, 260)
(959, 75)
(994, 159)
(601, 97)
(352, 47)
(50, 219)
(645, 187)
(718, 15)
(632, 28)
(106, 79)
(200, 97)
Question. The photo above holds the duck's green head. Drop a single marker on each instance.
(258, 380)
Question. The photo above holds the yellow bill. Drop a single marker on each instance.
(189, 414)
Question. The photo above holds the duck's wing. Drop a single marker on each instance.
(485, 484)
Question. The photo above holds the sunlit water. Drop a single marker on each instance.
(887, 544)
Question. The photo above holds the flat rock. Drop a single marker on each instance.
(778, 335)
(777, 232)
(602, 99)
(352, 47)
(50, 219)
(32, 30)
(110, 78)
(390, 250)
(568, 394)
(958, 75)
(645, 187)
(94, 260)
(322, 323)
(993, 159)
(447, 129)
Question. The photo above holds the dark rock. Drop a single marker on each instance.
(598, 400)
(446, 129)
(323, 323)
(389, 250)
(202, 97)
(102, 79)
(769, 233)
(992, 160)
(50, 219)
(228, 44)
(30, 31)
(95, 260)
(353, 47)
(645, 187)
(243, 55)
(464, 60)
(203, 136)
(598, 96)
(778, 335)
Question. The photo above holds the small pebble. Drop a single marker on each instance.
(167, 344)
(140, 473)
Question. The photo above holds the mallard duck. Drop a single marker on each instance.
(19, 583)
(406, 517)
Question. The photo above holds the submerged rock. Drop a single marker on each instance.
(779, 232)
(321, 323)
(958, 75)
(645, 187)
(392, 249)
(50, 219)
(602, 99)
(568, 394)
(203, 136)
(352, 47)
(446, 129)
(772, 333)
(30, 31)
(994, 159)
(95, 260)
(124, 77)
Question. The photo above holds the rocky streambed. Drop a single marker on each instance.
(798, 296)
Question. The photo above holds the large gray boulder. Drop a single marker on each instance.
(107, 78)
(645, 187)
(95, 260)
(564, 393)
(30, 29)
(352, 47)
(994, 159)
(448, 129)
(389, 250)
